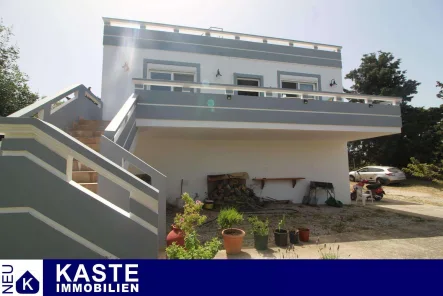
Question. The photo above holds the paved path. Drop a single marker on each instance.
(416, 209)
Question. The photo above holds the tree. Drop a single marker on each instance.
(440, 93)
(14, 90)
(380, 74)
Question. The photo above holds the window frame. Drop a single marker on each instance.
(172, 73)
(240, 92)
(297, 82)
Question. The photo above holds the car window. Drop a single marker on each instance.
(363, 170)
(378, 170)
(394, 170)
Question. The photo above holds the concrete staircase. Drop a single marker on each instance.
(88, 132)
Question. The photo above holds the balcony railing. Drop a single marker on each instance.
(217, 33)
(270, 91)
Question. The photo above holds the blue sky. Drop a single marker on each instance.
(61, 40)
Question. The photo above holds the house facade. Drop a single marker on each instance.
(178, 104)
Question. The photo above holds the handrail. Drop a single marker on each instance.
(207, 32)
(45, 104)
(230, 87)
(131, 158)
(120, 117)
(70, 148)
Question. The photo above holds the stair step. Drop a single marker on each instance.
(93, 121)
(89, 140)
(91, 186)
(86, 133)
(77, 166)
(85, 176)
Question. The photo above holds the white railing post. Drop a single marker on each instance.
(69, 161)
(41, 114)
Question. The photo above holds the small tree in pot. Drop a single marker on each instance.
(281, 234)
(260, 230)
(232, 237)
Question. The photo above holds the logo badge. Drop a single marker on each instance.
(27, 284)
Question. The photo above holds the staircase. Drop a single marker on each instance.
(88, 132)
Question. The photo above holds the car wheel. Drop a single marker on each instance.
(381, 181)
(352, 178)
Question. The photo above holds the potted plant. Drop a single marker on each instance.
(260, 230)
(304, 234)
(281, 234)
(186, 222)
(232, 237)
(293, 236)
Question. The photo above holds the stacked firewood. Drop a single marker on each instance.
(233, 191)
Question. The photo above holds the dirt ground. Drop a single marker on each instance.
(352, 223)
(416, 191)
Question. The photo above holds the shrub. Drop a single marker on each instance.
(193, 249)
(259, 227)
(330, 253)
(282, 223)
(426, 171)
(191, 217)
(229, 217)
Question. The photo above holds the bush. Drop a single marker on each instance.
(193, 249)
(229, 217)
(425, 171)
(191, 217)
(259, 227)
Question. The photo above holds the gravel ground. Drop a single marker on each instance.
(415, 191)
(323, 221)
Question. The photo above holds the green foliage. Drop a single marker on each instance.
(259, 227)
(229, 217)
(191, 216)
(440, 92)
(282, 223)
(329, 253)
(425, 171)
(422, 129)
(14, 91)
(193, 249)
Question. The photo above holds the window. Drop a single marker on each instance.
(173, 76)
(248, 82)
(374, 170)
(363, 170)
(394, 170)
(305, 86)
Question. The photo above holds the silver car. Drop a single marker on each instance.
(378, 174)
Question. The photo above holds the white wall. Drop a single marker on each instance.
(117, 84)
(193, 160)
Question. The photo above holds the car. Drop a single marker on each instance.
(379, 174)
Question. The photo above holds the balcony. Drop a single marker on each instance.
(218, 106)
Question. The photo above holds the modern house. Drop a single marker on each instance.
(88, 177)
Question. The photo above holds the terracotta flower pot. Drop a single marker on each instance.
(304, 234)
(233, 240)
(175, 235)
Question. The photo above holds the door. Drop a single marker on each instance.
(362, 174)
(371, 175)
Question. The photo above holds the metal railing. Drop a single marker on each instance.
(213, 32)
(269, 91)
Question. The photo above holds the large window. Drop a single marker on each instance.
(305, 86)
(173, 76)
(248, 82)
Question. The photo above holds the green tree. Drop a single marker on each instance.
(380, 74)
(440, 93)
(14, 90)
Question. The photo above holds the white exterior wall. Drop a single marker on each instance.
(192, 160)
(117, 83)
